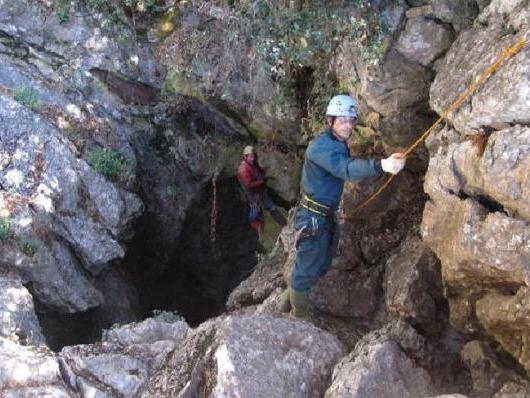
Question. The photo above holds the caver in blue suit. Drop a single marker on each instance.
(327, 165)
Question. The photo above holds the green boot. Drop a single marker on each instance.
(300, 303)
(285, 303)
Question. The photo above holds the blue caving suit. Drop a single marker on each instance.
(327, 165)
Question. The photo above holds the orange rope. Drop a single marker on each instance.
(506, 54)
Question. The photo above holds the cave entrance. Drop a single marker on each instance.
(210, 258)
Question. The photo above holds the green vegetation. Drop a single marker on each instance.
(27, 97)
(109, 162)
(105, 332)
(507, 30)
(28, 246)
(293, 45)
(168, 316)
(116, 10)
(5, 227)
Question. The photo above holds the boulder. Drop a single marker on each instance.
(503, 98)
(38, 392)
(84, 43)
(460, 14)
(122, 364)
(424, 40)
(507, 319)
(18, 321)
(413, 285)
(250, 356)
(235, 76)
(493, 167)
(150, 330)
(477, 250)
(351, 293)
(28, 368)
(379, 366)
(57, 223)
(103, 371)
(490, 376)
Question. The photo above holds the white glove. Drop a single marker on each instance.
(394, 163)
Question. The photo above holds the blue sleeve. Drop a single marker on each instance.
(342, 166)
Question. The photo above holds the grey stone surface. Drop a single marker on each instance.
(413, 284)
(379, 367)
(18, 321)
(490, 376)
(424, 40)
(27, 366)
(103, 371)
(259, 356)
(504, 97)
(150, 330)
(51, 223)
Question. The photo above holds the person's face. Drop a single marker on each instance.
(343, 126)
(251, 158)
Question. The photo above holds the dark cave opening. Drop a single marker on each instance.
(208, 261)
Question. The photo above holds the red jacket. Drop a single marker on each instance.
(251, 176)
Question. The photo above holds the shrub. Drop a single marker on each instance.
(168, 316)
(109, 162)
(27, 97)
(114, 9)
(5, 226)
(28, 246)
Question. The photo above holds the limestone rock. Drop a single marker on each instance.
(283, 173)
(18, 321)
(27, 367)
(232, 75)
(488, 373)
(123, 363)
(150, 330)
(43, 199)
(103, 371)
(82, 42)
(459, 13)
(353, 293)
(495, 168)
(413, 284)
(507, 319)
(258, 356)
(397, 86)
(38, 392)
(424, 40)
(451, 396)
(379, 367)
(504, 97)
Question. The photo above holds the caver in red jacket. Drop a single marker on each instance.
(252, 178)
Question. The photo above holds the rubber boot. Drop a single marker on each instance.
(300, 303)
(278, 217)
(285, 301)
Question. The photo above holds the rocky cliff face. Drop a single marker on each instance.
(121, 126)
(477, 219)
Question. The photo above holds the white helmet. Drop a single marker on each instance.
(342, 105)
(249, 149)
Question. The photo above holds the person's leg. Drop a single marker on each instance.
(311, 255)
(273, 210)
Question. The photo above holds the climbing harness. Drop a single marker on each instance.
(312, 205)
(506, 54)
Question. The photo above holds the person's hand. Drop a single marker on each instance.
(394, 163)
